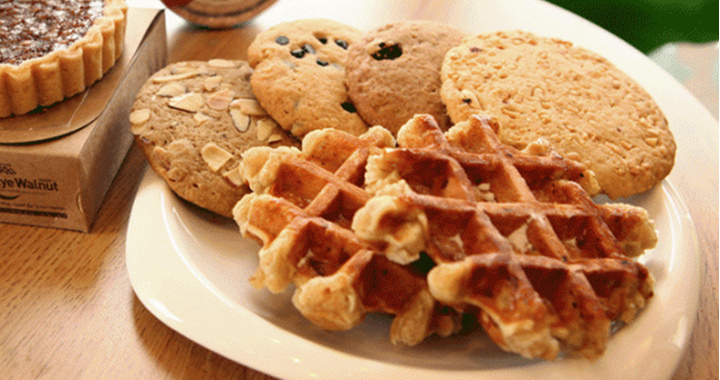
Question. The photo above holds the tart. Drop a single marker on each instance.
(54, 49)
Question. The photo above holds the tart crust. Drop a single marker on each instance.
(62, 73)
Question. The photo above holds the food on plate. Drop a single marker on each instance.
(486, 221)
(587, 108)
(393, 72)
(193, 120)
(300, 210)
(516, 240)
(299, 75)
(368, 224)
(55, 49)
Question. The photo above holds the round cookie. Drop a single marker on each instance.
(587, 108)
(393, 72)
(299, 75)
(193, 120)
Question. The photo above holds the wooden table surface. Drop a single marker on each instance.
(68, 310)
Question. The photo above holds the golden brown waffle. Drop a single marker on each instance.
(301, 209)
(517, 240)
(444, 225)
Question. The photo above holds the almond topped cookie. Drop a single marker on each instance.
(193, 120)
(55, 49)
(588, 109)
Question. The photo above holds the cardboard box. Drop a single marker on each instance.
(61, 181)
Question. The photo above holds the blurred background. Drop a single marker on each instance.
(650, 24)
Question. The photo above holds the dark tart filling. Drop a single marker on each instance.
(34, 28)
(54, 49)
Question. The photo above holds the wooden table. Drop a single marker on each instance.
(67, 308)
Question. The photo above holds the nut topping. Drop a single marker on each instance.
(190, 102)
(138, 119)
(234, 176)
(240, 120)
(212, 82)
(221, 63)
(275, 137)
(201, 118)
(249, 107)
(176, 77)
(140, 116)
(265, 128)
(171, 89)
(215, 156)
(221, 99)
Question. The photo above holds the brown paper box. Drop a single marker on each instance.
(61, 182)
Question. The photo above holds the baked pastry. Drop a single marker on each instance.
(515, 239)
(299, 75)
(193, 120)
(359, 225)
(587, 108)
(55, 49)
(300, 210)
(393, 72)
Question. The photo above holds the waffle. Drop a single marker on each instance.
(442, 229)
(300, 211)
(515, 237)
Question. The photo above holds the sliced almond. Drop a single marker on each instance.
(215, 156)
(240, 120)
(175, 77)
(249, 107)
(652, 141)
(182, 67)
(275, 137)
(140, 116)
(190, 102)
(138, 120)
(220, 100)
(265, 128)
(212, 82)
(171, 89)
(221, 63)
(226, 86)
(200, 117)
(234, 176)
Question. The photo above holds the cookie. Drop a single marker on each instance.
(393, 72)
(299, 75)
(193, 120)
(587, 108)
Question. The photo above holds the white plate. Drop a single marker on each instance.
(191, 268)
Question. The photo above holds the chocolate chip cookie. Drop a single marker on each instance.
(393, 72)
(299, 75)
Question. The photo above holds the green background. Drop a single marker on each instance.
(649, 24)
